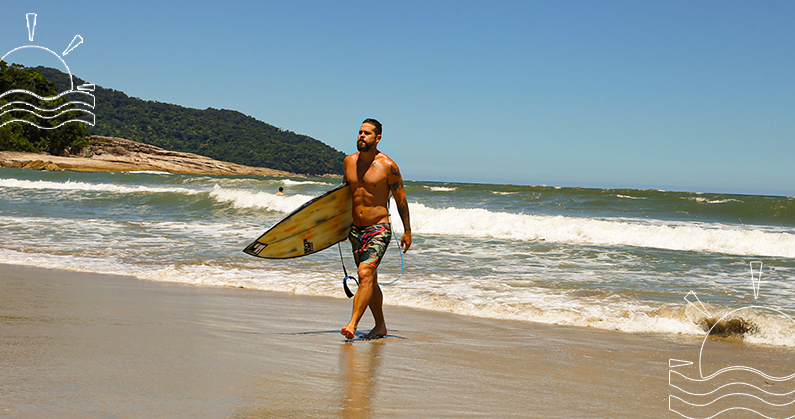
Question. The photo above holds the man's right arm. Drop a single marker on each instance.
(395, 181)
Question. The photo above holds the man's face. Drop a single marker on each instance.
(367, 138)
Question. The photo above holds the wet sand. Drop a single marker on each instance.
(78, 345)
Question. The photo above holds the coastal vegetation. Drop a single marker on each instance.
(221, 134)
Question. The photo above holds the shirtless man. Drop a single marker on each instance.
(372, 175)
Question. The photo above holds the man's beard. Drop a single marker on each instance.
(364, 146)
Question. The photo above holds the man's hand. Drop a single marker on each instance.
(405, 241)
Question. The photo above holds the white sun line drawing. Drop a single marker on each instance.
(756, 280)
(740, 367)
(82, 89)
(77, 40)
(700, 307)
(31, 28)
(675, 363)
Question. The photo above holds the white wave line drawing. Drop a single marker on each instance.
(80, 94)
(671, 408)
(9, 104)
(93, 121)
(735, 394)
(88, 117)
(736, 383)
(42, 112)
(753, 370)
(68, 92)
(43, 116)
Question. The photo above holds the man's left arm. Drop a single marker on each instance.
(395, 181)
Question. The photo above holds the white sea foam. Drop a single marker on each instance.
(687, 236)
(436, 293)
(240, 198)
(441, 188)
(289, 182)
(543, 307)
(702, 200)
(481, 223)
(147, 172)
(134, 240)
(91, 187)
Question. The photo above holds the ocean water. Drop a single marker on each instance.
(617, 259)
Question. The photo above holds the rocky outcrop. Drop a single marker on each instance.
(42, 165)
(109, 154)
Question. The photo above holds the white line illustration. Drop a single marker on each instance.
(21, 103)
(674, 376)
(77, 40)
(730, 388)
(756, 280)
(699, 306)
(675, 363)
(670, 407)
(31, 26)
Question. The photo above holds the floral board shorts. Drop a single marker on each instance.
(370, 243)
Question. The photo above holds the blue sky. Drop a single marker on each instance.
(674, 95)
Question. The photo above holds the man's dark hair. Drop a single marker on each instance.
(375, 123)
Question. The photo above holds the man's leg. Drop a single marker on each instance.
(362, 299)
(376, 307)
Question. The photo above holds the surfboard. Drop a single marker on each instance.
(318, 224)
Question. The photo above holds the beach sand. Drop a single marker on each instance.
(79, 345)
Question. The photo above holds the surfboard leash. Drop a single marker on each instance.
(397, 243)
(402, 264)
(345, 271)
(345, 280)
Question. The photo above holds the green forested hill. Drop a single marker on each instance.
(217, 133)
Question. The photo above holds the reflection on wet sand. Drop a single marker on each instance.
(358, 377)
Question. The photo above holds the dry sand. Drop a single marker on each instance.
(78, 345)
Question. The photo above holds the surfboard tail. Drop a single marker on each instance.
(255, 248)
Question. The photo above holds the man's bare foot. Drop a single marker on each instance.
(377, 332)
(348, 332)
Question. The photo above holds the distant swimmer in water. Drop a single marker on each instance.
(372, 175)
(281, 191)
